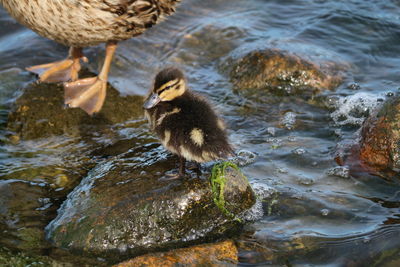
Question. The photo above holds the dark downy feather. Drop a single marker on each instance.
(181, 116)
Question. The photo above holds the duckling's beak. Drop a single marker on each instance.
(151, 101)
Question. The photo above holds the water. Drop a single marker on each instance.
(320, 214)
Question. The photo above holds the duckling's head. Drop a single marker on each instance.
(168, 85)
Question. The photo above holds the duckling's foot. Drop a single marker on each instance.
(182, 167)
(60, 71)
(172, 176)
(87, 94)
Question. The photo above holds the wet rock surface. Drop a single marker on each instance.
(282, 73)
(217, 254)
(60, 145)
(379, 146)
(122, 209)
(40, 112)
(21, 201)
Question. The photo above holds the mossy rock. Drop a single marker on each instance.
(9, 258)
(40, 112)
(282, 73)
(25, 210)
(122, 210)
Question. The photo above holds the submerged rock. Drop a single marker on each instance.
(282, 73)
(222, 253)
(40, 112)
(25, 210)
(12, 259)
(125, 208)
(379, 146)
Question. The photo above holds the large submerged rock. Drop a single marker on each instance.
(282, 73)
(120, 210)
(25, 209)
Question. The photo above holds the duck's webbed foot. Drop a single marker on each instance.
(88, 94)
(60, 71)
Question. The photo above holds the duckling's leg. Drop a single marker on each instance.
(182, 169)
(89, 94)
(61, 71)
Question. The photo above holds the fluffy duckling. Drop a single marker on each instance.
(82, 23)
(184, 121)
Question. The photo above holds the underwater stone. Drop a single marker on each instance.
(282, 73)
(217, 254)
(119, 211)
(23, 215)
(40, 112)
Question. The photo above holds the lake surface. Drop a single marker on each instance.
(319, 213)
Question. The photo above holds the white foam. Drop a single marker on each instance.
(262, 191)
(353, 109)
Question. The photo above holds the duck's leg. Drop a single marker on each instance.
(61, 71)
(182, 164)
(89, 94)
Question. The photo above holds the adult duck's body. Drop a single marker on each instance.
(81, 23)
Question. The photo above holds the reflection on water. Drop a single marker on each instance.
(318, 216)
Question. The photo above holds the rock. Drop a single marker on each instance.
(282, 73)
(25, 210)
(379, 147)
(127, 207)
(217, 254)
(12, 259)
(40, 112)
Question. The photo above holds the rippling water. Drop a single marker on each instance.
(321, 213)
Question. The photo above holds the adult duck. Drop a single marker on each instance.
(82, 23)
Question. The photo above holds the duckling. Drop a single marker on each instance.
(82, 23)
(184, 121)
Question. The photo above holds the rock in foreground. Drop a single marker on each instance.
(218, 254)
(120, 211)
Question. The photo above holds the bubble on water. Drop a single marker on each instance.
(325, 212)
(353, 109)
(289, 120)
(339, 171)
(275, 142)
(262, 191)
(366, 239)
(299, 151)
(354, 86)
(281, 170)
(305, 180)
(244, 158)
(271, 131)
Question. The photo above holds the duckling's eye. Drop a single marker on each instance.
(166, 88)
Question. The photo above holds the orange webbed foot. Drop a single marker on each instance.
(88, 94)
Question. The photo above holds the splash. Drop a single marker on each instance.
(354, 109)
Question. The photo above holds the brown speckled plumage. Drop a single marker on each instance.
(82, 23)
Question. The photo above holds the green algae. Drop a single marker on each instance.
(19, 259)
(218, 181)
